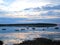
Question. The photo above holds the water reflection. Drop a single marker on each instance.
(18, 34)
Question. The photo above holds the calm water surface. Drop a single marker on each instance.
(11, 35)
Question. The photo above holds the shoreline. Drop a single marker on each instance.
(32, 25)
(40, 41)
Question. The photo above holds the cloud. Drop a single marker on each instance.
(47, 7)
(43, 13)
(51, 13)
(53, 2)
(30, 9)
(31, 14)
(17, 5)
(3, 13)
(6, 2)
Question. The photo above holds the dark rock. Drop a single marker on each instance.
(3, 29)
(1, 43)
(56, 27)
(40, 41)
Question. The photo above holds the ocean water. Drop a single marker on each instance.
(13, 35)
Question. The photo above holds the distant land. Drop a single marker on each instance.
(32, 25)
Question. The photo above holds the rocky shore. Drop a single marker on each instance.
(40, 41)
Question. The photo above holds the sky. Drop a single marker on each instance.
(20, 11)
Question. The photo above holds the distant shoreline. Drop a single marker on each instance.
(32, 25)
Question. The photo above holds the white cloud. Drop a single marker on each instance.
(1, 1)
(18, 5)
(29, 15)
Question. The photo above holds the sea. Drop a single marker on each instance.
(13, 35)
